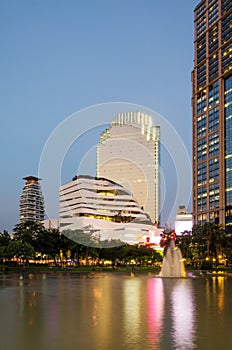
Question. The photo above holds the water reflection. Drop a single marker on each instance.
(97, 295)
(215, 292)
(155, 308)
(183, 315)
(218, 285)
(132, 306)
(114, 311)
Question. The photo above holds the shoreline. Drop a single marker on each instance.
(144, 270)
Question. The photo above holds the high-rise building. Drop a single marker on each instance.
(212, 113)
(31, 200)
(128, 154)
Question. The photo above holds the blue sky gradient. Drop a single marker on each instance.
(61, 56)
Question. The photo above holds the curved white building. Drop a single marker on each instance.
(103, 206)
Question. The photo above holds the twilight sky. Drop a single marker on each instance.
(58, 57)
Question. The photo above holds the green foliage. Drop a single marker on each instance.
(207, 265)
(19, 249)
(49, 242)
(206, 241)
(28, 231)
(210, 239)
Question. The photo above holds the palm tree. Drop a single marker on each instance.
(210, 239)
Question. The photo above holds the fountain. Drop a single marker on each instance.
(173, 265)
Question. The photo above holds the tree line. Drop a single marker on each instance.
(30, 240)
(205, 246)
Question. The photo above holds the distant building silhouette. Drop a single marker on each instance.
(31, 200)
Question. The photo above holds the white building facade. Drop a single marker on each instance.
(103, 206)
(184, 220)
(128, 154)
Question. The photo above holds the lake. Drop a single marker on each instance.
(114, 311)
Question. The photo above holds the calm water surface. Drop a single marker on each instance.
(64, 311)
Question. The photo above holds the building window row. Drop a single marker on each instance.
(201, 126)
(228, 139)
(201, 219)
(201, 9)
(214, 195)
(213, 144)
(201, 174)
(201, 198)
(213, 98)
(201, 75)
(226, 6)
(213, 39)
(201, 102)
(226, 28)
(214, 217)
(213, 67)
(201, 49)
(213, 94)
(201, 149)
(213, 119)
(201, 25)
(229, 196)
(213, 14)
(226, 57)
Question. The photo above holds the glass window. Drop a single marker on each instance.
(213, 14)
(213, 94)
(213, 119)
(213, 169)
(226, 58)
(201, 149)
(201, 49)
(201, 126)
(226, 28)
(226, 5)
(201, 75)
(201, 102)
(228, 138)
(213, 39)
(201, 25)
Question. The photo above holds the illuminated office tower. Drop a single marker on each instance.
(128, 154)
(212, 113)
(31, 200)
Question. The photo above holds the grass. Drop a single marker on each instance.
(45, 268)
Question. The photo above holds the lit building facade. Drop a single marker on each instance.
(31, 200)
(184, 220)
(128, 154)
(104, 206)
(212, 113)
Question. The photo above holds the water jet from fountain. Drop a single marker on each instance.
(173, 265)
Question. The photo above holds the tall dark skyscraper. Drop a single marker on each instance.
(31, 200)
(212, 113)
